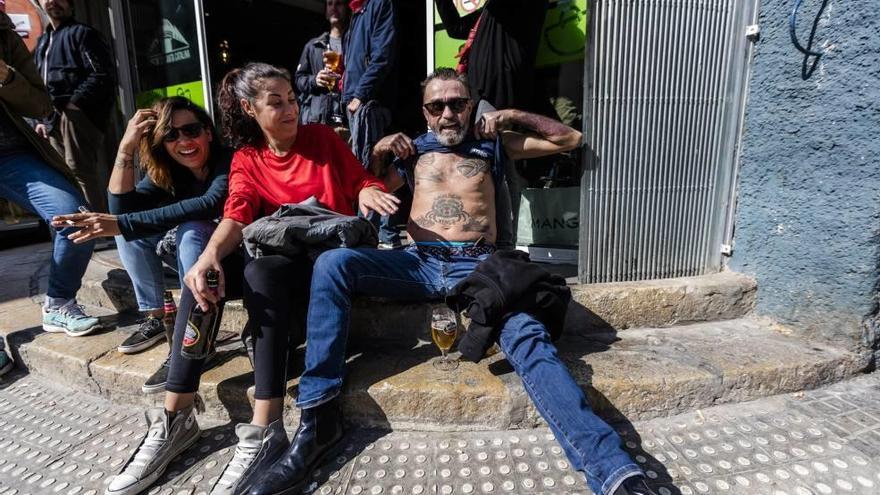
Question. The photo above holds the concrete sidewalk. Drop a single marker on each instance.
(821, 442)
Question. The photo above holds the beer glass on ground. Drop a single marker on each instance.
(444, 330)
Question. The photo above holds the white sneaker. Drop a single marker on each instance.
(165, 440)
(258, 448)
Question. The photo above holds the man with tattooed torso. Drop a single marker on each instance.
(453, 171)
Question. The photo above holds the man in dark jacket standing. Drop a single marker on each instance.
(370, 86)
(34, 176)
(76, 66)
(319, 103)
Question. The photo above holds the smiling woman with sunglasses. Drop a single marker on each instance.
(184, 188)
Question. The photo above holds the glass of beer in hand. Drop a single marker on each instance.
(444, 330)
(332, 62)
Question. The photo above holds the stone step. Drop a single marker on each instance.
(640, 373)
(618, 306)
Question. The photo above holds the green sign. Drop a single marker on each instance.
(191, 90)
(562, 40)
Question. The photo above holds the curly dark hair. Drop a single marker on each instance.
(239, 128)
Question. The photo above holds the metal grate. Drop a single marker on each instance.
(663, 109)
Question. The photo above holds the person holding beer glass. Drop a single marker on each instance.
(276, 161)
(320, 69)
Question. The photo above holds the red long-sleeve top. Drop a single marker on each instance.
(319, 164)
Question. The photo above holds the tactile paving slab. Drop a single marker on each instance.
(821, 443)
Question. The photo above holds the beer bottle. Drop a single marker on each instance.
(170, 316)
(201, 326)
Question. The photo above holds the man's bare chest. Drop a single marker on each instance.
(446, 168)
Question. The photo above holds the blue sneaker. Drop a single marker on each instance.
(6, 363)
(70, 319)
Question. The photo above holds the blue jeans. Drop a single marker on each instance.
(593, 447)
(144, 266)
(27, 180)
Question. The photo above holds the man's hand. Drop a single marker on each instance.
(326, 78)
(93, 225)
(42, 130)
(197, 280)
(373, 198)
(491, 123)
(353, 105)
(399, 144)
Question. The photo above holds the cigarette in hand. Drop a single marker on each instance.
(82, 209)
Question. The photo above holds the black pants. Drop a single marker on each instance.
(275, 290)
(184, 373)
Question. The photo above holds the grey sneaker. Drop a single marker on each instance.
(70, 319)
(258, 448)
(6, 362)
(165, 440)
(149, 332)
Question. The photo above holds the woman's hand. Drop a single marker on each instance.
(373, 198)
(197, 280)
(142, 121)
(93, 225)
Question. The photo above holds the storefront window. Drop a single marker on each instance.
(167, 51)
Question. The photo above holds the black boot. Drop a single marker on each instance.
(634, 485)
(317, 437)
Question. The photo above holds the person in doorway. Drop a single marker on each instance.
(452, 224)
(276, 161)
(370, 85)
(316, 83)
(33, 176)
(183, 190)
(77, 68)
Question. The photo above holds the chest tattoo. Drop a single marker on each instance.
(448, 210)
(426, 170)
(471, 167)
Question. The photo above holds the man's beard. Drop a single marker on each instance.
(448, 137)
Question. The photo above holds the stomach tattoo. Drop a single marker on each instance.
(448, 210)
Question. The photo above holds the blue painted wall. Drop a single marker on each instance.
(809, 187)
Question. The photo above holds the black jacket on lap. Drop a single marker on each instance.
(504, 284)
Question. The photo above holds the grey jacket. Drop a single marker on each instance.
(309, 228)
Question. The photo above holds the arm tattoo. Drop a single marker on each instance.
(543, 126)
(448, 210)
(472, 167)
(427, 171)
(123, 162)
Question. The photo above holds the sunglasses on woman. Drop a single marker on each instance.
(191, 131)
(457, 105)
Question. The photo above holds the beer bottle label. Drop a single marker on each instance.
(192, 335)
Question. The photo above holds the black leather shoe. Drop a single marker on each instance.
(318, 436)
(634, 485)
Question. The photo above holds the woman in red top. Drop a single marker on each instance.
(276, 161)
